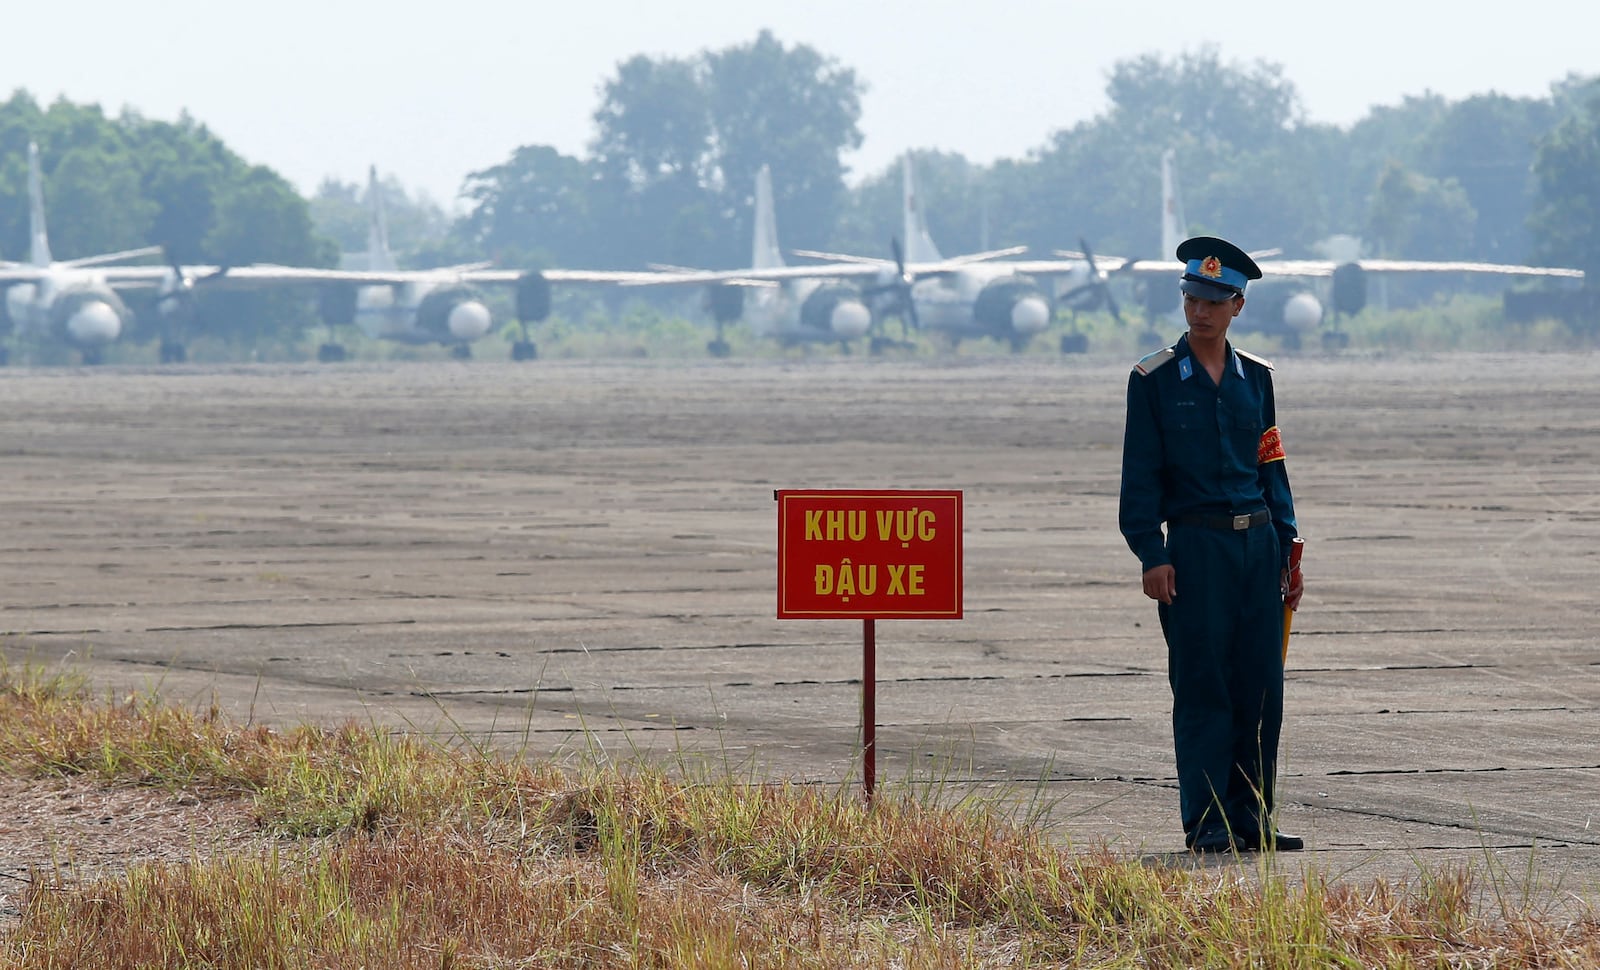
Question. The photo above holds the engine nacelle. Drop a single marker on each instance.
(88, 316)
(725, 301)
(533, 297)
(835, 310)
(1012, 306)
(337, 304)
(1302, 312)
(453, 315)
(1349, 289)
(19, 304)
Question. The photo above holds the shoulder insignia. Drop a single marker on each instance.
(1253, 358)
(1149, 362)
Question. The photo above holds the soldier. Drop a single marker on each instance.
(1202, 454)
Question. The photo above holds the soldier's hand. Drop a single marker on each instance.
(1294, 586)
(1161, 583)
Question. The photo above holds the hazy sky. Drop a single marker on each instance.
(433, 90)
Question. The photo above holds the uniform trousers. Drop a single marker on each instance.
(1224, 633)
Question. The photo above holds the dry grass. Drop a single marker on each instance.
(390, 851)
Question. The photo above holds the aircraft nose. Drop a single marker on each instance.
(94, 323)
(850, 319)
(469, 320)
(1030, 315)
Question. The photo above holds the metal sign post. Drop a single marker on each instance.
(869, 554)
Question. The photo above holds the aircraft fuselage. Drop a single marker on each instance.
(982, 300)
(73, 305)
(807, 311)
(437, 308)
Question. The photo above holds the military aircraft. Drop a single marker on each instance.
(962, 297)
(975, 295)
(76, 302)
(422, 306)
(1290, 300)
(792, 310)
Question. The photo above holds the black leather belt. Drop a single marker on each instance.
(1248, 520)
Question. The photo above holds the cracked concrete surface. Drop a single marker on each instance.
(579, 559)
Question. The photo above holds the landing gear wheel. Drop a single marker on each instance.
(524, 350)
(1075, 343)
(718, 348)
(330, 353)
(173, 352)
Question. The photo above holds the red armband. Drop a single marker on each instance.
(1271, 446)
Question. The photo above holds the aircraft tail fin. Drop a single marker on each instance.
(1174, 227)
(764, 252)
(919, 244)
(379, 259)
(39, 246)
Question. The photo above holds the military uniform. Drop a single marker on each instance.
(1204, 459)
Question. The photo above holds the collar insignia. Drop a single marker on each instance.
(1211, 266)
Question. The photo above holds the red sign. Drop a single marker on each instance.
(870, 554)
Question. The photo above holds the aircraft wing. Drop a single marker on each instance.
(119, 276)
(1070, 266)
(266, 274)
(497, 276)
(858, 268)
(1294, 268)
(1324, 267)
(776, 274)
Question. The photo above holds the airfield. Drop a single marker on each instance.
(577, 560)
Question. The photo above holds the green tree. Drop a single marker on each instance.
(679, 141)
(1417, 217)
(534, 209)
(95, 203)
(1486, 145)
(791, 108)
(415, 223)
(1565, 223)
(182, 167)
(651, 156)
(261, 219)
(955, 198)
(1243, 155)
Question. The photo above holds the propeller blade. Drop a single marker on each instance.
(1088, 254)
(1111, 304)
(908, 305)
(1099, 283)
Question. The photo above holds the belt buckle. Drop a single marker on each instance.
(1241, 522)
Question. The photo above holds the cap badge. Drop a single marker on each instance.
(1211, 266)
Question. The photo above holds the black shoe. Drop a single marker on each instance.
(1277, 842)
(1213, 845)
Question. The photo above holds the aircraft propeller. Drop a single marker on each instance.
(900, 286)
(1095, 286)
(177, 306)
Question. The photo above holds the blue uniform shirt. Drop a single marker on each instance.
(1191, 446)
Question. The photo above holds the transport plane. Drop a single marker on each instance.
(76, 302)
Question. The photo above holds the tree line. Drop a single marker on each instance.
(668, 176)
